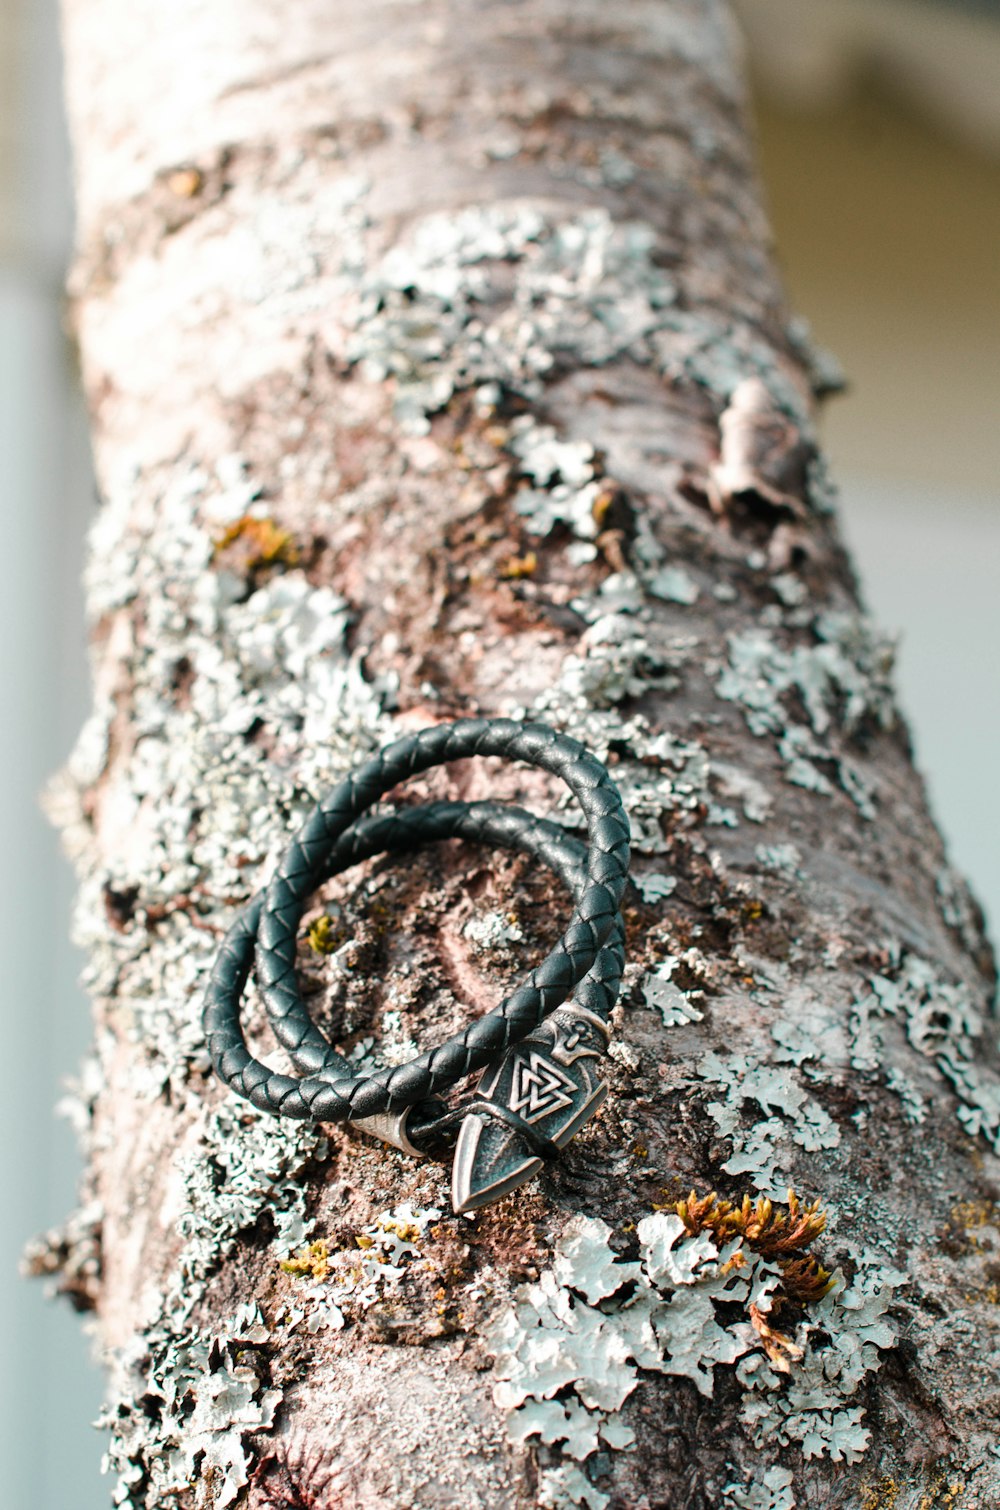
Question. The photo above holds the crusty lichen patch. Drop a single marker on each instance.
(773, 1490)
(579, 283)
(197, 802)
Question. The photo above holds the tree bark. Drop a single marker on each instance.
(438, 365)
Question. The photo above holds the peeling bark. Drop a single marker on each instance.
(438, 364)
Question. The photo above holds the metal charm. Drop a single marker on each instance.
(543, 1091)
(537, 1087)
(391, 1127)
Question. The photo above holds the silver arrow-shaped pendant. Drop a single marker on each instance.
(539, 1095)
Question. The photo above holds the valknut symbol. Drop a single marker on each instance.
(549, 1080)
(539, 1088)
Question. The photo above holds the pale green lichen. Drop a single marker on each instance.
(573, 1347)
(945, 1022)
(577, 283)
(570, 1350)
(813, 1406)
(786, 859)
(653, 886)
(660, 991)
(673, 584)
(205, 1393)
(195, 798)
(842, 677)
(565, 474)
(564, 1484)
(774, 1490)
(615, 660)
(356, 1277)
(791, 1115)
(958, 908)
(240, 1166)
(810, 1032)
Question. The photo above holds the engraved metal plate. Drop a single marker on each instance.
(550, 1082)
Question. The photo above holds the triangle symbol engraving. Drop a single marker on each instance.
(538, 1087)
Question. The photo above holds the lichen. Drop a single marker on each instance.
(786, 859)
(658, 773)
(773, 1490)
(574, 1345)
(577, 282)
(653, 886)
(568, 1353)
(614, 660)
(205, 1392)
(944, 1022)
(574, 1330)
(791, 1114)
(958, 908)
(841, 1343)
(241, 1166)
(841, 678)
(332, 1282)
(195, 800)
(675, 1006)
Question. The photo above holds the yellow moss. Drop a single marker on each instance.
(312, 1261)
(602, 506)
(324, 935)
(765, 1227)
(881, 1495)
(972, 1213)
(942, 1496)
(780, 1349)
(263, 542)
(516, 567)
(407, 1232)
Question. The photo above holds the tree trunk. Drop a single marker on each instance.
(439, 366)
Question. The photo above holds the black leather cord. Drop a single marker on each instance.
(587, 961)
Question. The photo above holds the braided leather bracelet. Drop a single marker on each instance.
(539, 1085)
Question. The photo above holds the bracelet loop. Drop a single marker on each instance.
(587, 961)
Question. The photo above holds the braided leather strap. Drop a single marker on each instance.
(589, 955)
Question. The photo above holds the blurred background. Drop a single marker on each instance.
(879, 130)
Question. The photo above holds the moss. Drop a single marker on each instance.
(252, 543)
(516, 567)
(313, 1261)
(325, 934)
(783, 1236)
(882, 1495)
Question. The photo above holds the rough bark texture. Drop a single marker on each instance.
(438, 364)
